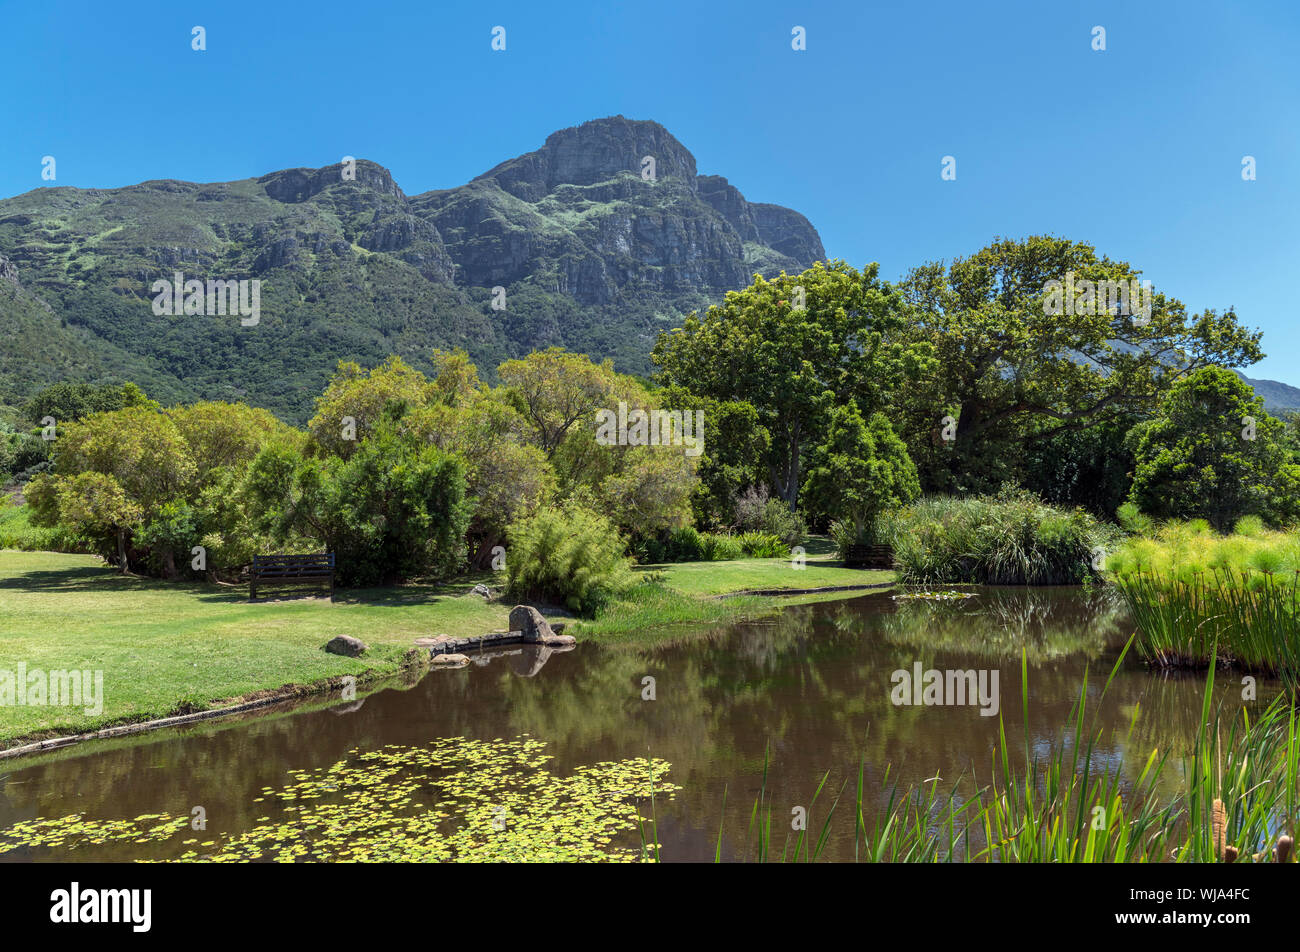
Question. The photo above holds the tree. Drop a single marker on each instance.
(393, 510)
(92, 505)
(354, 401)
(1018, 363)
(555, 391)
(1213, 452)
(1091, 467)
(735, 454)
(224, 435)
(507, 477)
(180, 472)
(859, 469)
(650, 492)
(68, 402)
(140, 448)
(794, 348)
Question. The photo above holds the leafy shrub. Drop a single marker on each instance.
(394, 509)
(684, 545)
(779, 521)
(691, 545)
(1009, 539)
(722, 548)
(751, 508)
(757, 511)
(17, 532)
(1133, 520)
(763, 545)
(568, 555)
(846, 534)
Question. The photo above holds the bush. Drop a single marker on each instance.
(845, 535)
(1009, 539)
(691, 545)
(756, 511)
(751, 508)
(395, 509)
(763, 545)
(570, 556)
(17, 532)
(1131, 519)
(722, 548)
(684, 545)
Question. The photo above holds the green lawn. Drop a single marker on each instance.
(159, 644)
(164, 647)
(716, 578)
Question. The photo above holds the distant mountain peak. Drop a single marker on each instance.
(299, 185)
(1278, 397)
(596, 151)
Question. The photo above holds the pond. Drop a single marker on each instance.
(807, 691)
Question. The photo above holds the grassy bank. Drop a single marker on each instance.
(168, 647)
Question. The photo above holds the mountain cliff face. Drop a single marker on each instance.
(593, 255)
(579, 217)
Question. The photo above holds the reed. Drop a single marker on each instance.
(1196, 598)
(1231, 797)
(1009, 539)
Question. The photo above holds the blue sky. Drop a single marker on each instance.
(1137, 149)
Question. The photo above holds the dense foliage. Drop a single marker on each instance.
(1213, 452)
(827, 399)
(567, 555)
(1197, 596)
(1008, 539)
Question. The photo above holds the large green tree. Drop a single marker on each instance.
(1213, 452)
(794, 348)
(394, 509)
(1020, 361)
(859, 469)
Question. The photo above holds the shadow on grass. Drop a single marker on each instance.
(102, 579)
(819, 545)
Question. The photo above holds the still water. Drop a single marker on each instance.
(808, 690)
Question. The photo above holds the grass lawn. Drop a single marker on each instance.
(717, 578)
(160, 644)
(165, 647)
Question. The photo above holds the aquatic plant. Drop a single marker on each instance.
(1009, 539)
(1235, 799)
(454, 799)
(941, 596)
(1196, 596)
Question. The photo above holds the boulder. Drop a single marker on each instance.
(535, 629)
(346, 645)
(530, 623)
(481, 590)
(449, 660)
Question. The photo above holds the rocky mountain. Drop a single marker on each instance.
(600, 239)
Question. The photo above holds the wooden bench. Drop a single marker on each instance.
(290, 569)
(869, 557)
